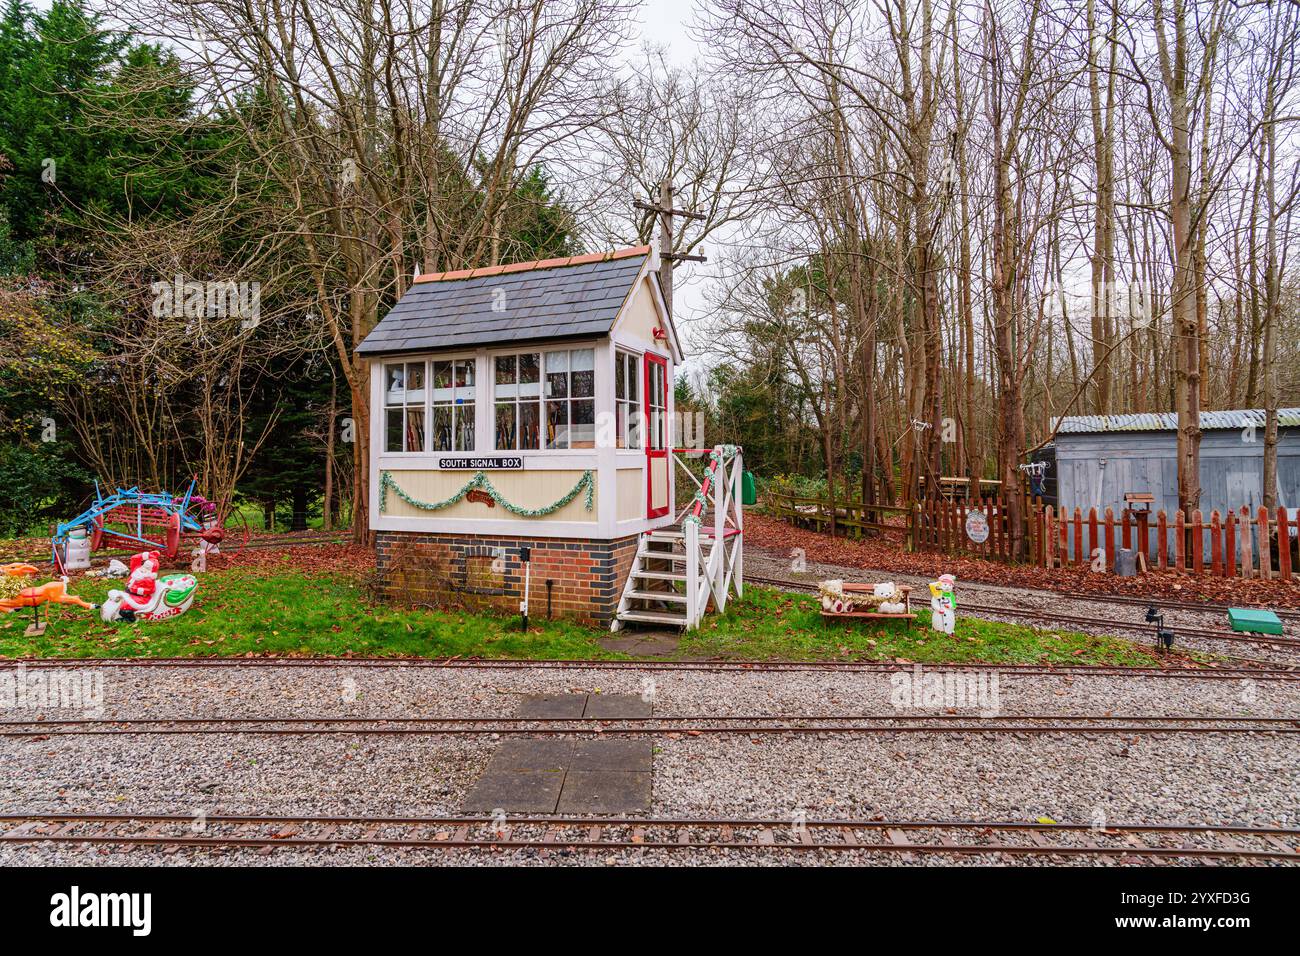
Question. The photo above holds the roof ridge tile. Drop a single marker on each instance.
(555, 263)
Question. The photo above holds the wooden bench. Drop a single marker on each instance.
(903, 589)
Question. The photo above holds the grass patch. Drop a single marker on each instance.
(239, 612)
(780, 625)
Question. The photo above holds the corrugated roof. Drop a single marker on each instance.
(550, 299)
(1168, 421)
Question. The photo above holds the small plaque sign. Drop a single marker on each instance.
(486, 463)
(977, 527)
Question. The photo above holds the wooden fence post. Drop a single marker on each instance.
(1265, 551)
(1198, 542)
(1230, 545)
(1109, 531)
(1216, 545)
(1283, 546)
(1162, 546)
(1049, 535)
(1247, 568)
(1180, 541)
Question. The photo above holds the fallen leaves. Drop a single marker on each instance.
(888, 556)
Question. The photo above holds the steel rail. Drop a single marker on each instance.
(644, 726)
(604, 833)
(1279, 671)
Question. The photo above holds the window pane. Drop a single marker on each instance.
(530, 418)
(506, 376)
(415, 383)
(557, 383)
(395, 387)
(530, 369)
(633, 377)
(620, 420)
(634, 427)
(464, 373)
(393, 430)
(442, 393)
(505, 429)
(620, 377)
(465, 427)
(465, 381)
(583, 434)
(584, 372)
(415, 429)
(441, 440)
(442, 375)
(557, 424)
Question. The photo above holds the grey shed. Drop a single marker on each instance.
(1100, 458)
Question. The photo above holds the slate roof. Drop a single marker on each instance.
(552, 299)
(1168, 421)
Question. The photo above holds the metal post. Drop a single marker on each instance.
(525, 555)
(738, 496)
(692, 529)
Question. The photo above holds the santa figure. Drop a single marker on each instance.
(143, 581)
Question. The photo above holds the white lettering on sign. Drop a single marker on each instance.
(502, 462)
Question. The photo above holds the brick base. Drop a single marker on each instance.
(484, 572)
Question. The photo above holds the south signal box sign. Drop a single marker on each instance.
(498, 462)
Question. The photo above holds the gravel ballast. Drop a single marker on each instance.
(1153, 778)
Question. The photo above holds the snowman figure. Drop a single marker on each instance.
(943, 604)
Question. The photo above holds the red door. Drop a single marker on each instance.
(656, 442)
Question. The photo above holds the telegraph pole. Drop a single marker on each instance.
(665, 211)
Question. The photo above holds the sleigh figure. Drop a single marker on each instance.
(148, 597)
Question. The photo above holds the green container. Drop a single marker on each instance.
(1254, 621)
(748, 489)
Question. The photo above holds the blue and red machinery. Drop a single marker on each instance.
(132, 520)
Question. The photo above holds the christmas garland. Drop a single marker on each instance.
(718, 457)
(481, 481)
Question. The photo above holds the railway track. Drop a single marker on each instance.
(700, 725)
(1271, 672)
(1206, 607)
(1130, 843)
(1198, 633)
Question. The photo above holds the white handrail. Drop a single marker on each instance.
(722, 490)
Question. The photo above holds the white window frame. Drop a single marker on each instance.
(453, 360)
(569, 398)
(633, 418)
(516, 400)
(405, 406)
(542, 353)
(428, 405)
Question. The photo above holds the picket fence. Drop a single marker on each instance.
(1236, 544)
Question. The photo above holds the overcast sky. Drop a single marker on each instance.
(664, 23)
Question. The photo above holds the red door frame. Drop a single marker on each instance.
(652, 453)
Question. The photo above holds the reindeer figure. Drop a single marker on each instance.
(54, 592)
